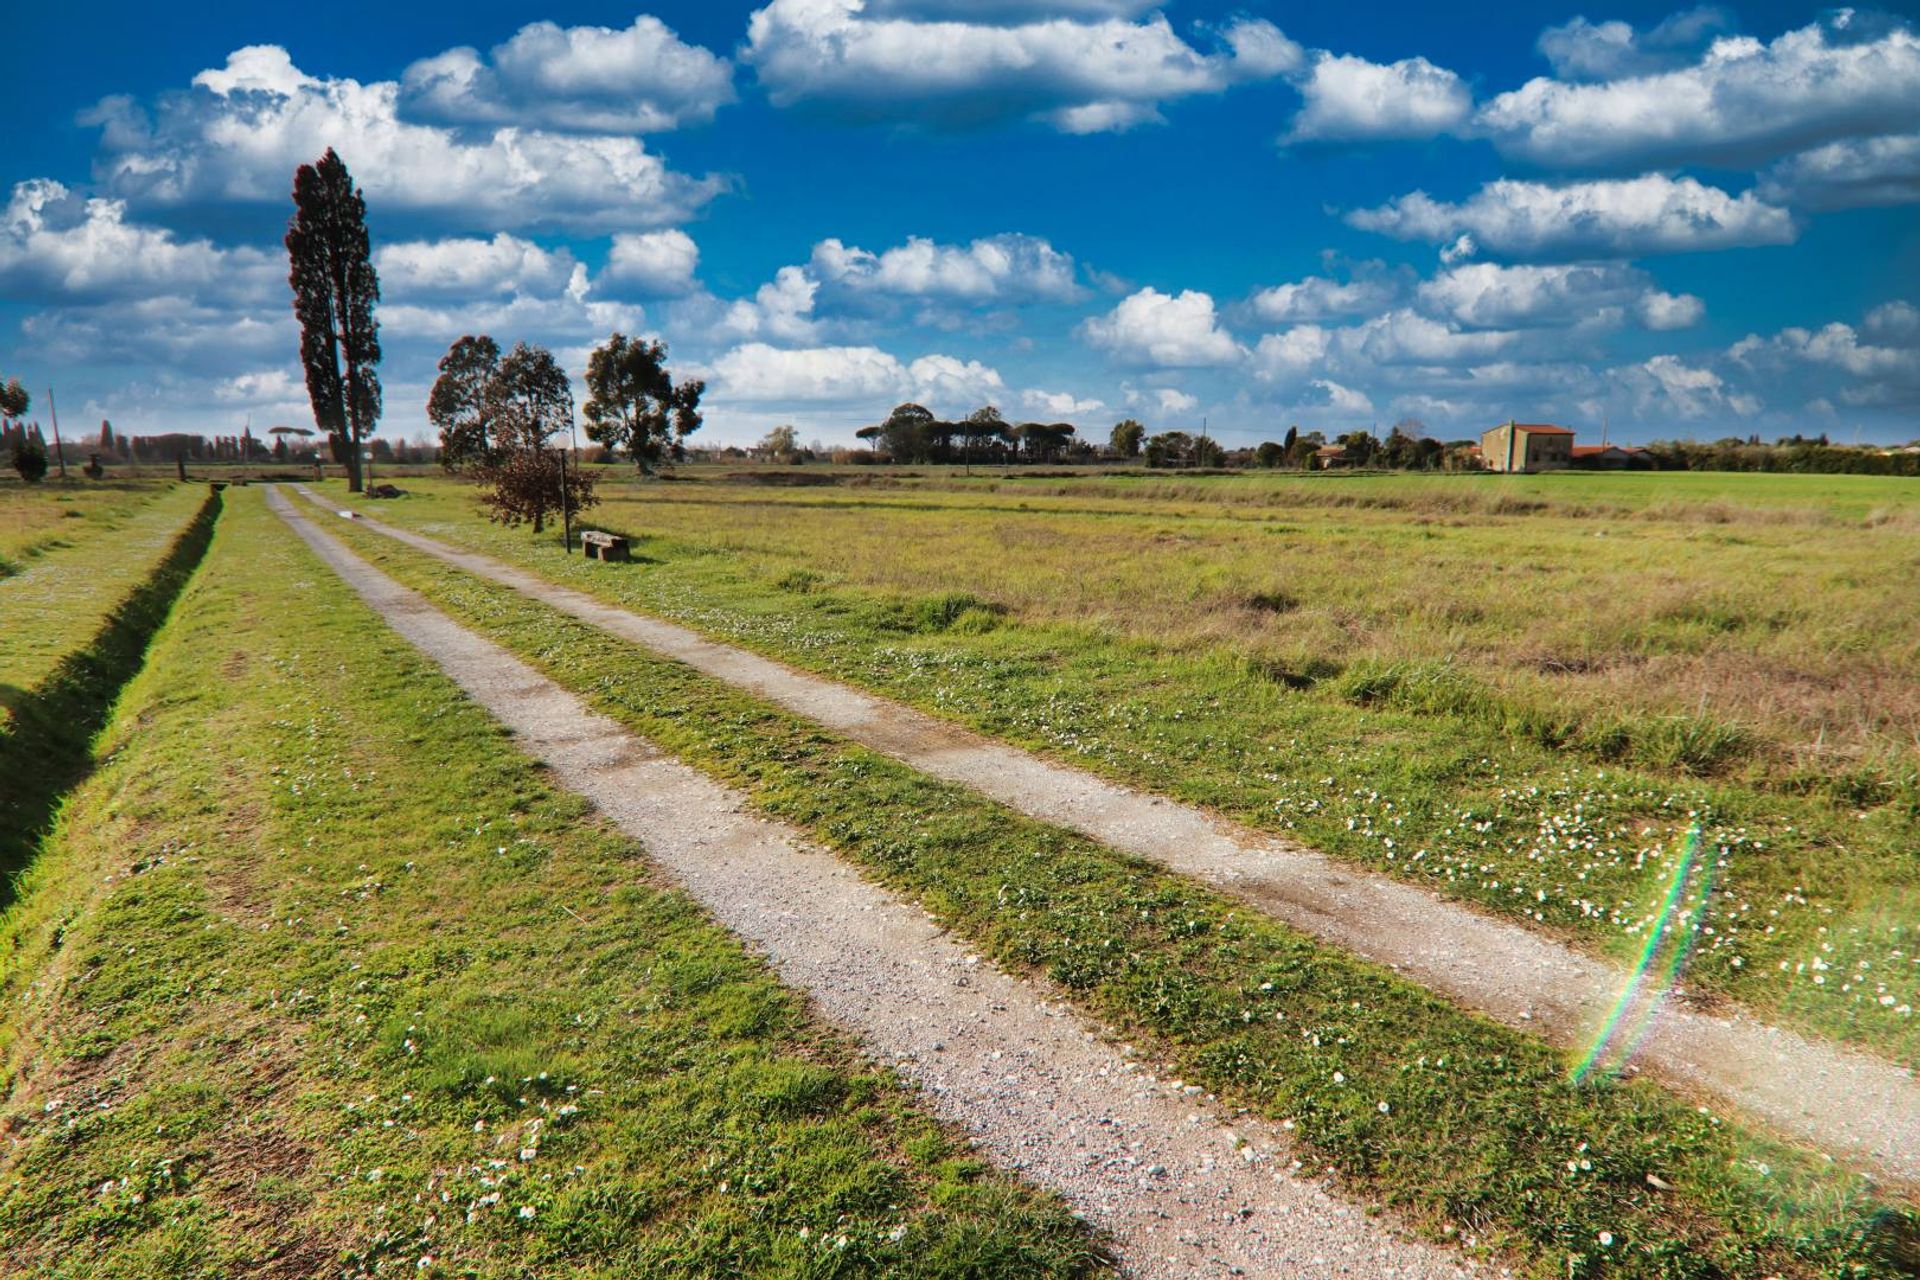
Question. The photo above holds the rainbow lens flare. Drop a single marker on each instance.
(1669, 942)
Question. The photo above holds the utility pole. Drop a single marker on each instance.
(59, 451)
(566, 508)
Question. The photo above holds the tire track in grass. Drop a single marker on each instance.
(1850, 1104)
(1181, 1191)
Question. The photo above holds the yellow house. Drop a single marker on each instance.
(1527, 446)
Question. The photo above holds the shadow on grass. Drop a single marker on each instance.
(47, 750)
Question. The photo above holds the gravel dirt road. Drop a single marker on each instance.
(1180, 1189)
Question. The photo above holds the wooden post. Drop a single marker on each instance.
(53, 410)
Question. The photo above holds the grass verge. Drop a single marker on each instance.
(319, 976)
(1472, 1129)
(47, 730)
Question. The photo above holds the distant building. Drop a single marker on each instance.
(1607, 457)
(1327, 457)
(1526, 446)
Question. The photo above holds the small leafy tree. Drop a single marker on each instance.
(780, 444)
(634, 404)
(334, 294)
(1270, 454)
(529, 400)
(30, 460)
(524, 486)
(1127, 437)
(14, 400)
(460, 404)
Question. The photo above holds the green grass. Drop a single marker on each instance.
(319, 976)
(1412, 755)
(73, 630)
(36, 519)
(1472, 1129)
(68, 588)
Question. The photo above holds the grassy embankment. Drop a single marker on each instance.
(319, 976)
(1472, 1129)
(35, 519)
(1454, 680)
(74, 626)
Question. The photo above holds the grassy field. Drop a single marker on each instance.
(36, 519)
(318, 976)
(1519, 692)
(1473, 1130)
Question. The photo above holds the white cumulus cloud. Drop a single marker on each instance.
(653, 263)
(1744, 102)
(56, 246)
(1583, 50)
(1164, 330)
(463, 267)
(240, 131)
(1351, 98)
(1488, 295)
(1002, 268)
(1094, 69)
(1849, 174)
(863, 376)
(1625, 217)
(638, 79)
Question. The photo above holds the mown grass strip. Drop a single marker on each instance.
(1473, 1129)
(37, 520)
(1815, 921)
(319, 977)
(47, 730)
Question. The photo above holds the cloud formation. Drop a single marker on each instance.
(1166, 331)
(1583, 50)
(863, 377)
(1743, 103)
(1350, 98)
(1628, 217)
(1848, 175)
(1487, 295)
(658, 264)
(640, 79)
(240, 131)
(1003, 268)
(1102, 74)
(54, 246)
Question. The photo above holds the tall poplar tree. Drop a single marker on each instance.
(334, 293)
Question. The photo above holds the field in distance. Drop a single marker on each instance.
(1521, 691)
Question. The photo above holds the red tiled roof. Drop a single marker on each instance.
(1588, 450)
(1543, 429)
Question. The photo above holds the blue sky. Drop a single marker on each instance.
(1698, 221)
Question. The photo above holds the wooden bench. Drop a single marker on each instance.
(603, 546)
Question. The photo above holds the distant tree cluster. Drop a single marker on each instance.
(1815, 455)
(913, 434)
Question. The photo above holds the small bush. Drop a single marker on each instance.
(957, 611)
(30, 460)
(801, 582)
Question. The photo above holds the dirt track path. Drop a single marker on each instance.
(1854, 1106)
(1181, 1190)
